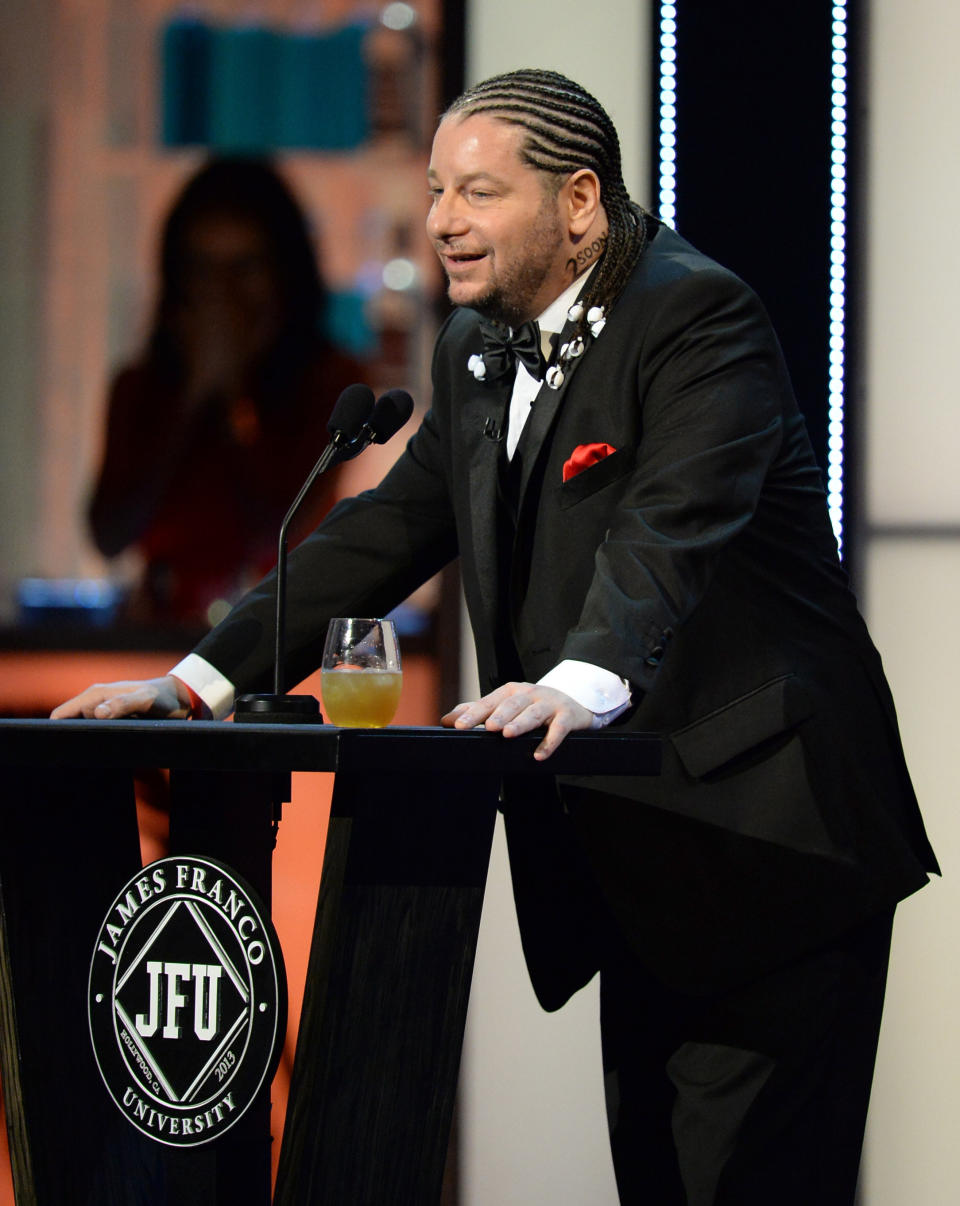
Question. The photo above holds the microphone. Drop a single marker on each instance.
(354, 407)
(389, 414)
(355, 423)
(391, 411)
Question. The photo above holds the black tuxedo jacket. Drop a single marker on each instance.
(697, 561)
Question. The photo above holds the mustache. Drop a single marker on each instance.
(442, 248)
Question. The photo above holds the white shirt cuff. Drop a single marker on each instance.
(216, 691)
(601, 691)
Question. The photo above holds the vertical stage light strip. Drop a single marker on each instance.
(838, 237)
(668, 114)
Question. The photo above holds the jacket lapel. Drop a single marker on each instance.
(486, 423)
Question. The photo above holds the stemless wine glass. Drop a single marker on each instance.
(360, 674)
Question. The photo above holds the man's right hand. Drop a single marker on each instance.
(159, 698)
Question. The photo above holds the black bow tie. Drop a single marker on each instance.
(503, 347)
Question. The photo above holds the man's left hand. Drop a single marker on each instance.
(517, 708)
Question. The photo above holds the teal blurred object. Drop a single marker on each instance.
(185, 50)
(244, 88)
(252, 88)
(345, 323)
(324, 90)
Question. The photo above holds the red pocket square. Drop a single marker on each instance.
(583, 456)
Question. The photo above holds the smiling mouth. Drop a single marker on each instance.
(459, 259)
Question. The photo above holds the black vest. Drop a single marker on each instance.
(511, 556)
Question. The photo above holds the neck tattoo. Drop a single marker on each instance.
(586, 256)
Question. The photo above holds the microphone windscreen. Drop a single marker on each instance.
(351, 412)
(390, 413)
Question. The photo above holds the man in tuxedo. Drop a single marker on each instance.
(615, 454)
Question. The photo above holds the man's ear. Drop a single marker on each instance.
(581, 200)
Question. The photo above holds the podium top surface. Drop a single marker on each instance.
(218, 745)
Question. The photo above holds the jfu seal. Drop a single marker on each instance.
(187, 1000)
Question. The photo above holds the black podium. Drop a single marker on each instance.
(395, 933)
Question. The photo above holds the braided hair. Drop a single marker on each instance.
(567, 129)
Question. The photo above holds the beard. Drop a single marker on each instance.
(512, 290)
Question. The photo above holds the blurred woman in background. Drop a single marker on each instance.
(212, 430)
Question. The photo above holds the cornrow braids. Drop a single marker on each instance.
(567, 129)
